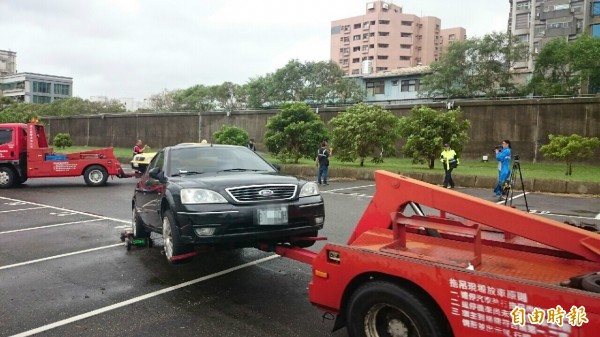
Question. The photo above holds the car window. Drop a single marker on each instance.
(206, 159)
(157, 161)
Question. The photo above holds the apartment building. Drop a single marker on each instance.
(31, 87)
(385, 38)
(8, 62)
(535, 22)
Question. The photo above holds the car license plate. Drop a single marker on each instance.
(273, 216)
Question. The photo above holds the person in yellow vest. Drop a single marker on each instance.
(449, 161)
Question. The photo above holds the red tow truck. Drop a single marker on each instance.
(24, 154)
(431, 262)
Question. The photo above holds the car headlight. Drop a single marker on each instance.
(309, 189)
(201, 196)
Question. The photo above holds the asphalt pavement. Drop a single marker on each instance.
(64, 270)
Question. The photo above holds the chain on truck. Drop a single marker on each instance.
(25, 154)
(431, 262)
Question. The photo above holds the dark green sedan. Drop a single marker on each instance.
(222, 196)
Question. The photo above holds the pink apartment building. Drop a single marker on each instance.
(384, 39)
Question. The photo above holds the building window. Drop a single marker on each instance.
(355, 71)
(375, 88)
(345, 39)
(356, 37)
(596, 8)
(395, 82)
(405, 46)
(523, 38)
(559, 25)
(356, 48)
(61, 89)
(406, 23)
(381, 69)
(356, 60)
(383, 45)
(42, 87)
(405, 34)
(356, 25)
(539, 31)
(382, 57)
(366, 36)
(409, 85)
(365, 47)
(404, 58)
(551, 8)
(384, 33)
(523, 5)
(384, 22)
(41, 99)
(451, 37)
(522, 21)
(596, 30)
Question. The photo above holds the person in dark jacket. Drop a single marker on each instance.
(323, 163)
(251, 145)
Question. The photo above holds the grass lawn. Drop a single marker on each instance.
(546, 170)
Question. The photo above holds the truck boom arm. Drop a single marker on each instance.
(394, 192)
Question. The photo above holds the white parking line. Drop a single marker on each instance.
(67, 210)
(348, 188)
(58, 256)
(49, 226)
(23, 209)
(140, 298)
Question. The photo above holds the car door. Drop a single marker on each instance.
(149, 191)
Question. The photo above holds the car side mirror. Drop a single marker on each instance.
(277, 167)
(158, 174)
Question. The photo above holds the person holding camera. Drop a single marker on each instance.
(450, 161)
(503, 156)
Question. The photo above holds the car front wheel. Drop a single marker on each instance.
(174, 246)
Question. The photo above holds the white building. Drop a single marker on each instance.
(36, 88)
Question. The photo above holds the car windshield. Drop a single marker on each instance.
(207, 159)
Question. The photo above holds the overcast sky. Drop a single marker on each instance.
(136, 48)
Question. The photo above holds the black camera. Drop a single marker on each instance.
(516, 157)
(499, 148)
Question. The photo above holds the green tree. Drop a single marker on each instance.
(312, 82)
(475, 67)
(19, 112)
(164, 101)
(232, 135)
(62, 140)
(426, 130)
(363, 131)
(295, 132)
(553, 73)
(570, 148)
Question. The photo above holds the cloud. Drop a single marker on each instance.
(135, 48)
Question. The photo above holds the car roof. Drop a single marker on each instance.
(188, 145)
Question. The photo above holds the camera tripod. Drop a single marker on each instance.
(508, 186)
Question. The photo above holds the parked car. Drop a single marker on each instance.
(140, 161)
(223, 196)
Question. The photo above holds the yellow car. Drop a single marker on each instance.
(140, 161)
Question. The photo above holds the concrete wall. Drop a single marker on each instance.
(527, 123)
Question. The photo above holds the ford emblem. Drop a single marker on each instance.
(265, 193)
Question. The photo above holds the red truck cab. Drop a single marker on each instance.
(24, 154)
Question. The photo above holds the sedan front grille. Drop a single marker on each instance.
(262, 193)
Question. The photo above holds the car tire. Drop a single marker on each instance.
(174, 245)
(137, 225)
(378, 307)
(95, 175)
(8, 177)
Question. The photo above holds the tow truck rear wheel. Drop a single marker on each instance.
(172, 239)
(8, 177)
(95, 175)
(381, 308)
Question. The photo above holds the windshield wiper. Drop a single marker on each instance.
(186, 173)
(238, 170)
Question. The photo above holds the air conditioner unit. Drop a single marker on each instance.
(370, 5)
(385, 5)
(572, 10)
